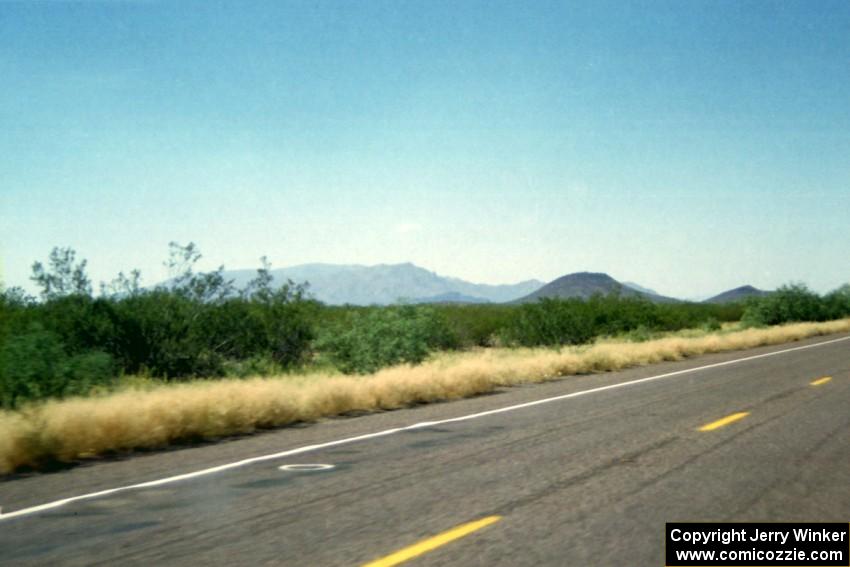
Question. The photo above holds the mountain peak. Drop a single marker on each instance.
(737, 294)
(584, 285)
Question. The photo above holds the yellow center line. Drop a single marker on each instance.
(432, 543)
(724, 421)
(820, 381)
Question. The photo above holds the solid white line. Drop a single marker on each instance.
(387, 432)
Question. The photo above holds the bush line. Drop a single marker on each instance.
(79, 428)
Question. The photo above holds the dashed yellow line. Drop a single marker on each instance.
(432, 543)
(820, 381)
(724, 421)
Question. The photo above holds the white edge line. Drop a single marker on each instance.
(386, 432)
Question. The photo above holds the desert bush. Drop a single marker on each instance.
(285, 319)
(476, 324)
(196, 325)
(837, 302)
(711, 324)
(374, 338)
(163, 335)
(615, 315)
(640, 334)
(35, 366)
(172, 335)
(552, 322)
(789, 303)
(555, 322)
(81, 322)
(11, 313)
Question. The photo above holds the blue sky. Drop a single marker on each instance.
(690, 147)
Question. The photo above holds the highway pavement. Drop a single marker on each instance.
(582, 471)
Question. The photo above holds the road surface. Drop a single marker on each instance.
(583, 471)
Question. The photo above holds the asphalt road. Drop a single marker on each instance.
(584, 480)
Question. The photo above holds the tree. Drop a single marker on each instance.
(838, 302)
(63, 277)
(204, 287)
(123, 286)
(181, 262)
(16, 296)
(261, 286)
(789, 303)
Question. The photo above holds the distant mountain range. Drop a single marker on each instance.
(584, 285)
(383, 284)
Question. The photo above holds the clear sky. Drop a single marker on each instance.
(689, 147)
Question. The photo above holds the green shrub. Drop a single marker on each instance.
(87, 372)
(711, 324)
(552, 322)
(555, 322)
(172, 335)
(259, 365)
(161, 336)
(286, 319)
(81, 322)
(614, 314)
(789, 303)
(475, 324)
(378, 337)
(639, 335)
(837, 302)
(34, 366)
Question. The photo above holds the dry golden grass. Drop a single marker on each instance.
(134, 419)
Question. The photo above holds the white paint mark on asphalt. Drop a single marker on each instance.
(388, 432)
(306, 468)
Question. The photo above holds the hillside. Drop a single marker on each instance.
(584, 285)
(338, 284)
(738, 294)
(450, 297)
(640, 288)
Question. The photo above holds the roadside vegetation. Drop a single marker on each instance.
(158, 415)
(194, 358)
